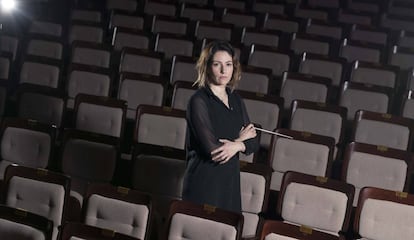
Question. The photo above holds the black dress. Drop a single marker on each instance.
(209, 120)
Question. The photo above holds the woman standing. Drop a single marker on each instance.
(218, 129)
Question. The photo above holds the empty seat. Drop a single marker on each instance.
(357, 96)
(85, 31)
(296, 86)
(93, 54)
(21, 224)
(88, 80)
(86, 15)
(119, 209)
(323, 66)
(27, 143)
(159, 157)
(40, 71)
(389, 208)
(196, 12)
(10, 44)
(307, 117)
(71, 230)
(181, 94)
(274, 230)
(255, 79)
(362, 51)
(168, 24)
(323, 28)
(383, 129)
(376, 74)
(39, 191)
(100, 115)
(304, 152)
(213, 30)
(264, 110)
(156, 7)
(309, 200)
(6, 64)
(126, 20)
(141, 61)
(46, 28)
(271, 38)
(202, 222)
(376, 166)
(183, 69)
(300, 43)
(43, 104)
(369, 34)
(172, 45)
(266, 57)
(96, 166)
(254, 182)
(239, 18)
(282, 23)
(124, 37)
(45, 47)
(137, 89)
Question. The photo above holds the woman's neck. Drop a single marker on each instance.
(218, 90)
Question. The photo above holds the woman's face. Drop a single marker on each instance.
(221, 68)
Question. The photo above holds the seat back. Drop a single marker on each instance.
(306, 117)
(296, 86)
(26, 142)
(305, 199)
(266, 57)
(276, 230)
(172, 45)
(323, 66)
(89, 53)
(43, 104)
(100, 115)
(202, 222)
(183, 69)
(264, 110)
(21, 224)
(357, 96)
(39, 191)
(89, 80)
(160, 126)
(40, 71)
(382, 75)
(382, 129)
(141, 61)
(137, 89)
(255, 79)
(75, 230)
(390, 207)
(181, 95)
(97, 166)
(305, 152)
(120, 209)
(376, 166)
(255, 183)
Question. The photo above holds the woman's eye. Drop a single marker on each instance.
(229, 64)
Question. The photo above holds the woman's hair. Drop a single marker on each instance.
(206, 59)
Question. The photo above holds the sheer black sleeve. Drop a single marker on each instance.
(200, 124)
(252, 145)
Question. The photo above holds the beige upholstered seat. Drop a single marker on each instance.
(19, 224)
(383, 214)
(39, 191)
(120, 209)
(255, 183)
(26, 142)
(376, 166)
(318, 202)
(189, 220)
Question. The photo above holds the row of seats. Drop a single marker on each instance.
(309, 208)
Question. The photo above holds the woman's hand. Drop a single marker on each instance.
(226, 151)
(247, 132)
